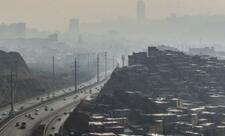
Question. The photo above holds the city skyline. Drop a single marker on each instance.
(53, 15)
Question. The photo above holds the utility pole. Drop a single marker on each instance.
(75, 75)
(78, 63)
(97, 67)
(16, 78)
(53, 75)
(88, 63)
(13, 88)
(12, 94)
(105, 64)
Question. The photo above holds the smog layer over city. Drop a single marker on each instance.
(112, 68)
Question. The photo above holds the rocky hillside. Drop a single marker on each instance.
(164, 73)
(27, 85)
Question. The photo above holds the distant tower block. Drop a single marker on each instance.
(73, 31)
(123, 60)
(140, 10)
(74, 26)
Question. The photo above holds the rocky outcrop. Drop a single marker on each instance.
(127, 79)
(27, 85)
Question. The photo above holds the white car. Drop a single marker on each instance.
(4, 113)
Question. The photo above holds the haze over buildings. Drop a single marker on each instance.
(53, 14)
(175, 86)
(114, 25)
(16, 30)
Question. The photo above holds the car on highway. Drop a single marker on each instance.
(90, 91)
(75, 97)
(23, 125)
(46, 108)
(36, 113)
(16, 110)
(17, 124)
(71, 133)
(4, 113)
(29, 116)
(21, 107)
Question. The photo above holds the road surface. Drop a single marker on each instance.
(53, 125)
(44, 112)
(4, 112)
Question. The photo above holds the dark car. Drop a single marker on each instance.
(17, 124)
(23, 125)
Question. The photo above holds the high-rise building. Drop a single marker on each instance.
(74, 26)
(140, 10)
(53, 37)
(12, 31)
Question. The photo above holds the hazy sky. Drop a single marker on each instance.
(54, 14)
